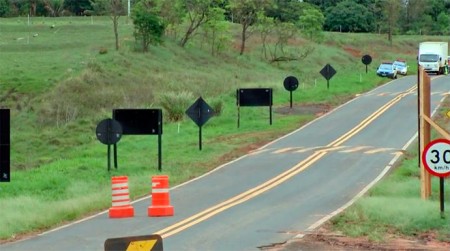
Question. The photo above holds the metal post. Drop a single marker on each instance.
(200, 138)
(109, 157)
(441, 195)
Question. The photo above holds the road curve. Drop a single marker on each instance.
(277, 192)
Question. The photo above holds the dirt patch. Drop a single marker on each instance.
(352, 51)
(323, 240)
(305, 109)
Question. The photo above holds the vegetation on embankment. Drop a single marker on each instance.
(60, 82)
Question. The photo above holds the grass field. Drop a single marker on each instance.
(58, 87)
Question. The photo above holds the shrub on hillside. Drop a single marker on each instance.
(175, 104)
(217, 106)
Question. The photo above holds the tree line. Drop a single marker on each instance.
(275, 21)
(429, 17)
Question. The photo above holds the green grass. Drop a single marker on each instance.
(58, 87)
(394, 206)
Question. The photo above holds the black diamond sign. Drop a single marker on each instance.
(328, 72)
(200, 112)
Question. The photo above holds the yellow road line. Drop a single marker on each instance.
(249, 194)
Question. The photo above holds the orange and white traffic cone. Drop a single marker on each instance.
(121, 207)
(160, 197)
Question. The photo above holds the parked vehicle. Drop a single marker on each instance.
(401, 67)
(387, 69)
(432, 56)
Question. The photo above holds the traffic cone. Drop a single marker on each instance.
(121, 207)
(160, 197)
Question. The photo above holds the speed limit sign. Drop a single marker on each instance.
(436, 157)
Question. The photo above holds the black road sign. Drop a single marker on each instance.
(254, 97)
(366, 59)
(109, 131)
(5, 149)
(328, 72)
(200, 112)
(290, 84)
(140, 122)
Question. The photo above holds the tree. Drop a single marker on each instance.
(198, 13)
(216, 30)
(442, 23)
(411, 17)
(323, 4)
(265, 27)
(391, 15)
(113, 8)
(284, 32)
(172, 12)
(77, 7)
(311, 22)
(245, 12)
(286, 10)
(54, 7)
(117, 8)
(4, 8)
(349, 17)
(148, 27)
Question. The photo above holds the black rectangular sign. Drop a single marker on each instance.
(5, 145)
(139, 121)
(254, 97)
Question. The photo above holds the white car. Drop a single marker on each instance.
(401, 67)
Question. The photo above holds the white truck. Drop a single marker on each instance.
(433, 56)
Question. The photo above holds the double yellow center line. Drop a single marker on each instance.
(277, 180)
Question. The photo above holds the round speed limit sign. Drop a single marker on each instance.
(436, 157)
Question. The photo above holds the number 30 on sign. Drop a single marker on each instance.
(436, 157)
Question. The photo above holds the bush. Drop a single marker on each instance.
(176, 104)
(217, 106)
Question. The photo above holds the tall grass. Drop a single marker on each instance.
(59, 86)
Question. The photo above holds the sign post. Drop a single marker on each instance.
(5, 149)
(366, 59)
(290, 84)
(436, 159)
(109, 132)
(200, 112)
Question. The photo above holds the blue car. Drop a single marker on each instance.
(387, 69)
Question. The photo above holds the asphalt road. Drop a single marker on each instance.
(277, 192)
